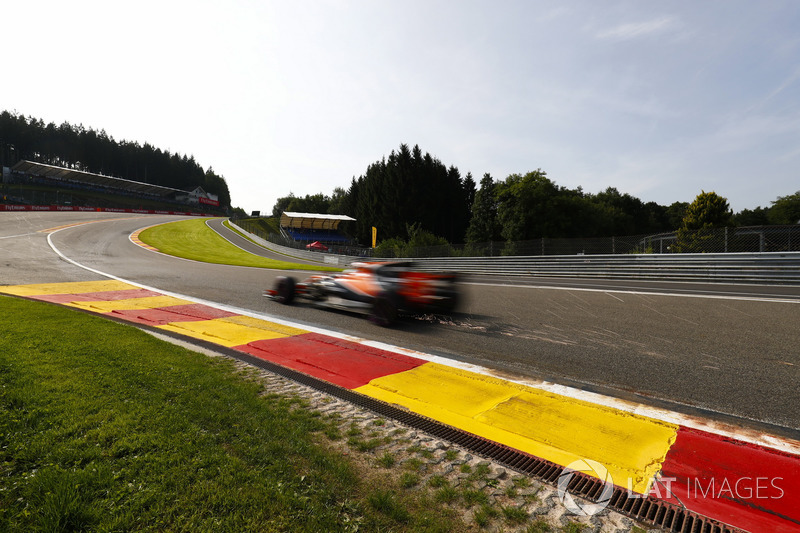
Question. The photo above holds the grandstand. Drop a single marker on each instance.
(310, 227)
(39, 183)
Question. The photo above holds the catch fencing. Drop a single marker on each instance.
(782, 267)
(722, 240)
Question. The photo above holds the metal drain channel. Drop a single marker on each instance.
(647, 510)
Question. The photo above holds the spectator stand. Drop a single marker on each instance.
(29, 173)
(310, 227)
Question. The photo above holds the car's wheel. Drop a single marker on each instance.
(449, 304)
(284, 290)
(384, 310)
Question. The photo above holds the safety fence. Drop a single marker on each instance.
(721, 240)
(731, 267)
(768, 267)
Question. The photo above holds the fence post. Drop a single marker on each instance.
(726, 239)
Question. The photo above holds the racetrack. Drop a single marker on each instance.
(727, 351)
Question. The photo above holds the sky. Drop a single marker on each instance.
(659, 99)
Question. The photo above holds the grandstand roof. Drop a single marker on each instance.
(312, 220)
(60, 173)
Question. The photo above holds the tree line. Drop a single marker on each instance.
(411, 196)
(87, 150)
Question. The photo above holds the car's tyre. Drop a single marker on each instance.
(384, 310)
(284, 290)
(449, 304)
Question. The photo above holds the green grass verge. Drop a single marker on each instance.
(105, 428)
(243, 234)
(267, 225)
(193, 239)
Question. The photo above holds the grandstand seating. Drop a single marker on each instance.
(311, 235)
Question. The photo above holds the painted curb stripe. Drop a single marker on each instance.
(95, 296)
(344, 363)
(148, 302)
(134, 237)
(71, 287)
(176, 313)
(553, 427)
(702, 468)
(232, 331)
(718, 476)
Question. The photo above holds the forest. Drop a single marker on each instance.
(409, 193)
(78, 148)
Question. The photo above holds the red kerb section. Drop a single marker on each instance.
(173, 313)
(743, 485)
(344, 363)
(106, 296)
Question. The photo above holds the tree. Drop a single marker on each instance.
(752, 217)
(310, 203)
(408, 188)
(483, 226)
(675, 213)
(709, 210)
(522, 205)
(785, 210)
(707, 213)
(338, 202)
(282, 204)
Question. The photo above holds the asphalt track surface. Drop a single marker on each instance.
(726, 352)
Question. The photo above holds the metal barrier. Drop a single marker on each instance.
(781, 268)
(767, 267)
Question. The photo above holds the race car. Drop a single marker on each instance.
(382, 290)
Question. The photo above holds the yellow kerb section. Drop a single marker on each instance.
(547, 425)
(72, 287)
(232, 331)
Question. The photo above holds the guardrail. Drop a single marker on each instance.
(781, 268)
(755, 267)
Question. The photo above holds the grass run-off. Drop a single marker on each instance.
(193, 239)
(106, 428)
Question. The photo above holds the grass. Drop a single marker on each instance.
(105, 428)
(264, 224)
(387, 460)
(484, 515)
(473, 497)
(193, 239)
(514, 515)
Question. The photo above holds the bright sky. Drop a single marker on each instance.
(658, 99)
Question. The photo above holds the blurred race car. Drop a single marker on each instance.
(381, 290)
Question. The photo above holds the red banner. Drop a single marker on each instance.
(208, 201)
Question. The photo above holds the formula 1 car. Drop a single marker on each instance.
(382, 290)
